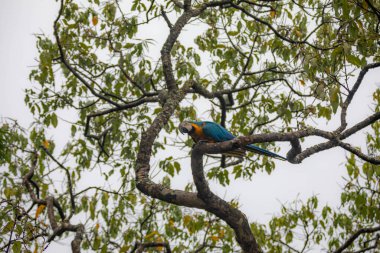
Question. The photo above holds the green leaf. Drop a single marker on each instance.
(177, 166)
(345, 8)
(233, 33)
(289, 237)
(97, 241)
(105, 197)
(16, 247)
(197, 59)
(8, 227)
(334, 98)
(354, 60)
(54, 120)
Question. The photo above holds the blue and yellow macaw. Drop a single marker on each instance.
(212, 132)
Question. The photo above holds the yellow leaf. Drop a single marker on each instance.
(298, 33)
(186, 219)
(171, 223)
(35, 248)
(46, 144)
(150, 235)
(214, 238)
(302, 82)
(272, 14)
(95, 20)
(221, 233)
(97, 226)
(39, 210)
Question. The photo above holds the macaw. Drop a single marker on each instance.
(208, 131)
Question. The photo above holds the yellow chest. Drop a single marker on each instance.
(198, 134)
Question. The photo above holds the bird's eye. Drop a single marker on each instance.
(183, 130)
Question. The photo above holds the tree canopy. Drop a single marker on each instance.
(268, 70)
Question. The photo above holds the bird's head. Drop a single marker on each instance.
(186, 127)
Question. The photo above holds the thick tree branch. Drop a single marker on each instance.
(205, 199)
(168, 45)
(234, 217)
(144, 184)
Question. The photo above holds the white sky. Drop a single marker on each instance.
(260, 198)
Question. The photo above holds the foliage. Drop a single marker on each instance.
(284, 65)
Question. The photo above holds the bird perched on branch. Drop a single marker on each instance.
(208, 131)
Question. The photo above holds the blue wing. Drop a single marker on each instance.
(220, 134)
(216, 132)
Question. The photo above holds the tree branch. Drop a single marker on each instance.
(69, 183)
(234, 217)
(67, 64)
(140, 247)
(51, 203)
(242, 9)
(352, 92)
(167, 20)
(355, 236)
(143, 182)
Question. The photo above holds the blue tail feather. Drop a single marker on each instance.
(262, 151)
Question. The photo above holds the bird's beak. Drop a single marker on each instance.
(184, 127)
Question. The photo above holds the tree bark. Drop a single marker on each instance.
(232, 216)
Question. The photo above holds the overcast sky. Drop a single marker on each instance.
(260, 198)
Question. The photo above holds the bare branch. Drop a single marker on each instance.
(197, 88)
(69, 183)
(131, 104)
(163, 13)
(351, 94)
(354, 236)
(359, 126)
(358, 153)
(95, 188)
(140, 247)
